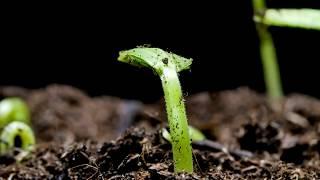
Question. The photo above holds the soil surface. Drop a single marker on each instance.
(81, 137)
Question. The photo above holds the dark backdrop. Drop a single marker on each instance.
(78, 45)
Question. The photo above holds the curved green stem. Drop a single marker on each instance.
(16, 130)
(167, 65)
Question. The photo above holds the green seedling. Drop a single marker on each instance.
(195, 134)
(298, 18)
(13, 109)
(268, 54)
(14, 126)
(167, 65)
(16, 135)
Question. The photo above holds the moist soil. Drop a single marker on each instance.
(248, 137)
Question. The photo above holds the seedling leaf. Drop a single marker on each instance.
(154, 58)
(299, 18)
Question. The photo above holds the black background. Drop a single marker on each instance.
(78, 45)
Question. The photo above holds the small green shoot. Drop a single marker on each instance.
(14, 126)
(13, 131)
(195, 134)
(167, 65)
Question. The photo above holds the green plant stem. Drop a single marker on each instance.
(268, 55)
(270, 65)
(181, 143)
(259, 5)
(167, 65)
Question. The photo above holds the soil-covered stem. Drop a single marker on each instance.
(182, 152)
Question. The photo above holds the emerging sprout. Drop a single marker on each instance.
(195, 134)
(167, 65)
(13, 109)
(16, 134)
(299, 18)
(14, 128)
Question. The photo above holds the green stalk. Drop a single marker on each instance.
(167, 65)
(259, 5)
(268, 55)
(180, 140)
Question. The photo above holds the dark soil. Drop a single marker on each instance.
(108, 138)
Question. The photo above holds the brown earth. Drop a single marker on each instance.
(108, 138)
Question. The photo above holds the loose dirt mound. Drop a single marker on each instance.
(248, 137)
